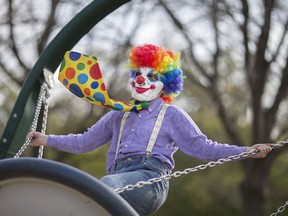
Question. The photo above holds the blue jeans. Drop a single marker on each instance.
(149, 198)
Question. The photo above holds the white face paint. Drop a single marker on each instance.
(145, 85)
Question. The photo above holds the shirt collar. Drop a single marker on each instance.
(154, 104)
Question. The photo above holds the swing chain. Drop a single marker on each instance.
(210, 164)
(43, 96)
(280, 144)
(44, 121)
(186, 171)
(280, 209)
(283, 207)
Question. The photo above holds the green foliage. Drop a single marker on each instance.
(278, 187)
(93, 163)
(213, 191)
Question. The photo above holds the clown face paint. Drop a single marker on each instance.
(145, 85)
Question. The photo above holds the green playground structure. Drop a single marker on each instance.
(23, 179)
(21, 117)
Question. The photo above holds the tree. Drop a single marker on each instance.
(262, 56)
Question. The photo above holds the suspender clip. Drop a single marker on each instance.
(148, 155)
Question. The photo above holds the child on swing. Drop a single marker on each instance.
(144, 141)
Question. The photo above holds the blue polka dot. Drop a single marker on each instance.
(75, 89)
(82, 78)
(99, 97)
(94, 85)
(134, 109)
(74, 56)
(65, 82)
(118, 107)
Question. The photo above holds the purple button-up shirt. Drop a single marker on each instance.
(177, 131)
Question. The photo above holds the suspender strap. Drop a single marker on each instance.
(156, 130)
(153, 136)
(123, 121)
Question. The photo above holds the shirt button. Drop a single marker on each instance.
(133, 130)
(126, 145)
(140, 116)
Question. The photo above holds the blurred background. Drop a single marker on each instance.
(234, 56)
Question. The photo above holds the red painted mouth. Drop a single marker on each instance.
(142, 90)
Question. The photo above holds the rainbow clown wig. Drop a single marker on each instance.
(164, 64)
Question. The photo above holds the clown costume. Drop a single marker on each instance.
(144, 140)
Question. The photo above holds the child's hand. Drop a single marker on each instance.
(263, 150)
(37, 139)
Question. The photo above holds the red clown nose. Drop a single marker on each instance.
(140, 79)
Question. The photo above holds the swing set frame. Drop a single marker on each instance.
(21, 117)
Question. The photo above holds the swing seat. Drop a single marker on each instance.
(29, 186)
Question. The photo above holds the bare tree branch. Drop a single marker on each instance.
(247, 54)
(229, 126)
(12, 38)
(261, 64)
(280, 44)
(216, 55)
(282, 92)
(259, 75)
(179, 25)
(49, 26)
(10, 74)
(228, 123)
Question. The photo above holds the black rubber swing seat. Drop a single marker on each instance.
(34, 187)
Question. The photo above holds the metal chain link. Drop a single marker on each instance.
(283, 207)
(42, 95)
(44, 120)
(186, 171)
(280, 144)
(280, 209)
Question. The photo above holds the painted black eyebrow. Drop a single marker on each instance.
(137, 73)
(153, 76)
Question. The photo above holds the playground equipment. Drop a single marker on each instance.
(41, 187)
(34, 187)
(21, 118)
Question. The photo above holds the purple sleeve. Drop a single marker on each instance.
(193, 142)
(99, 134)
